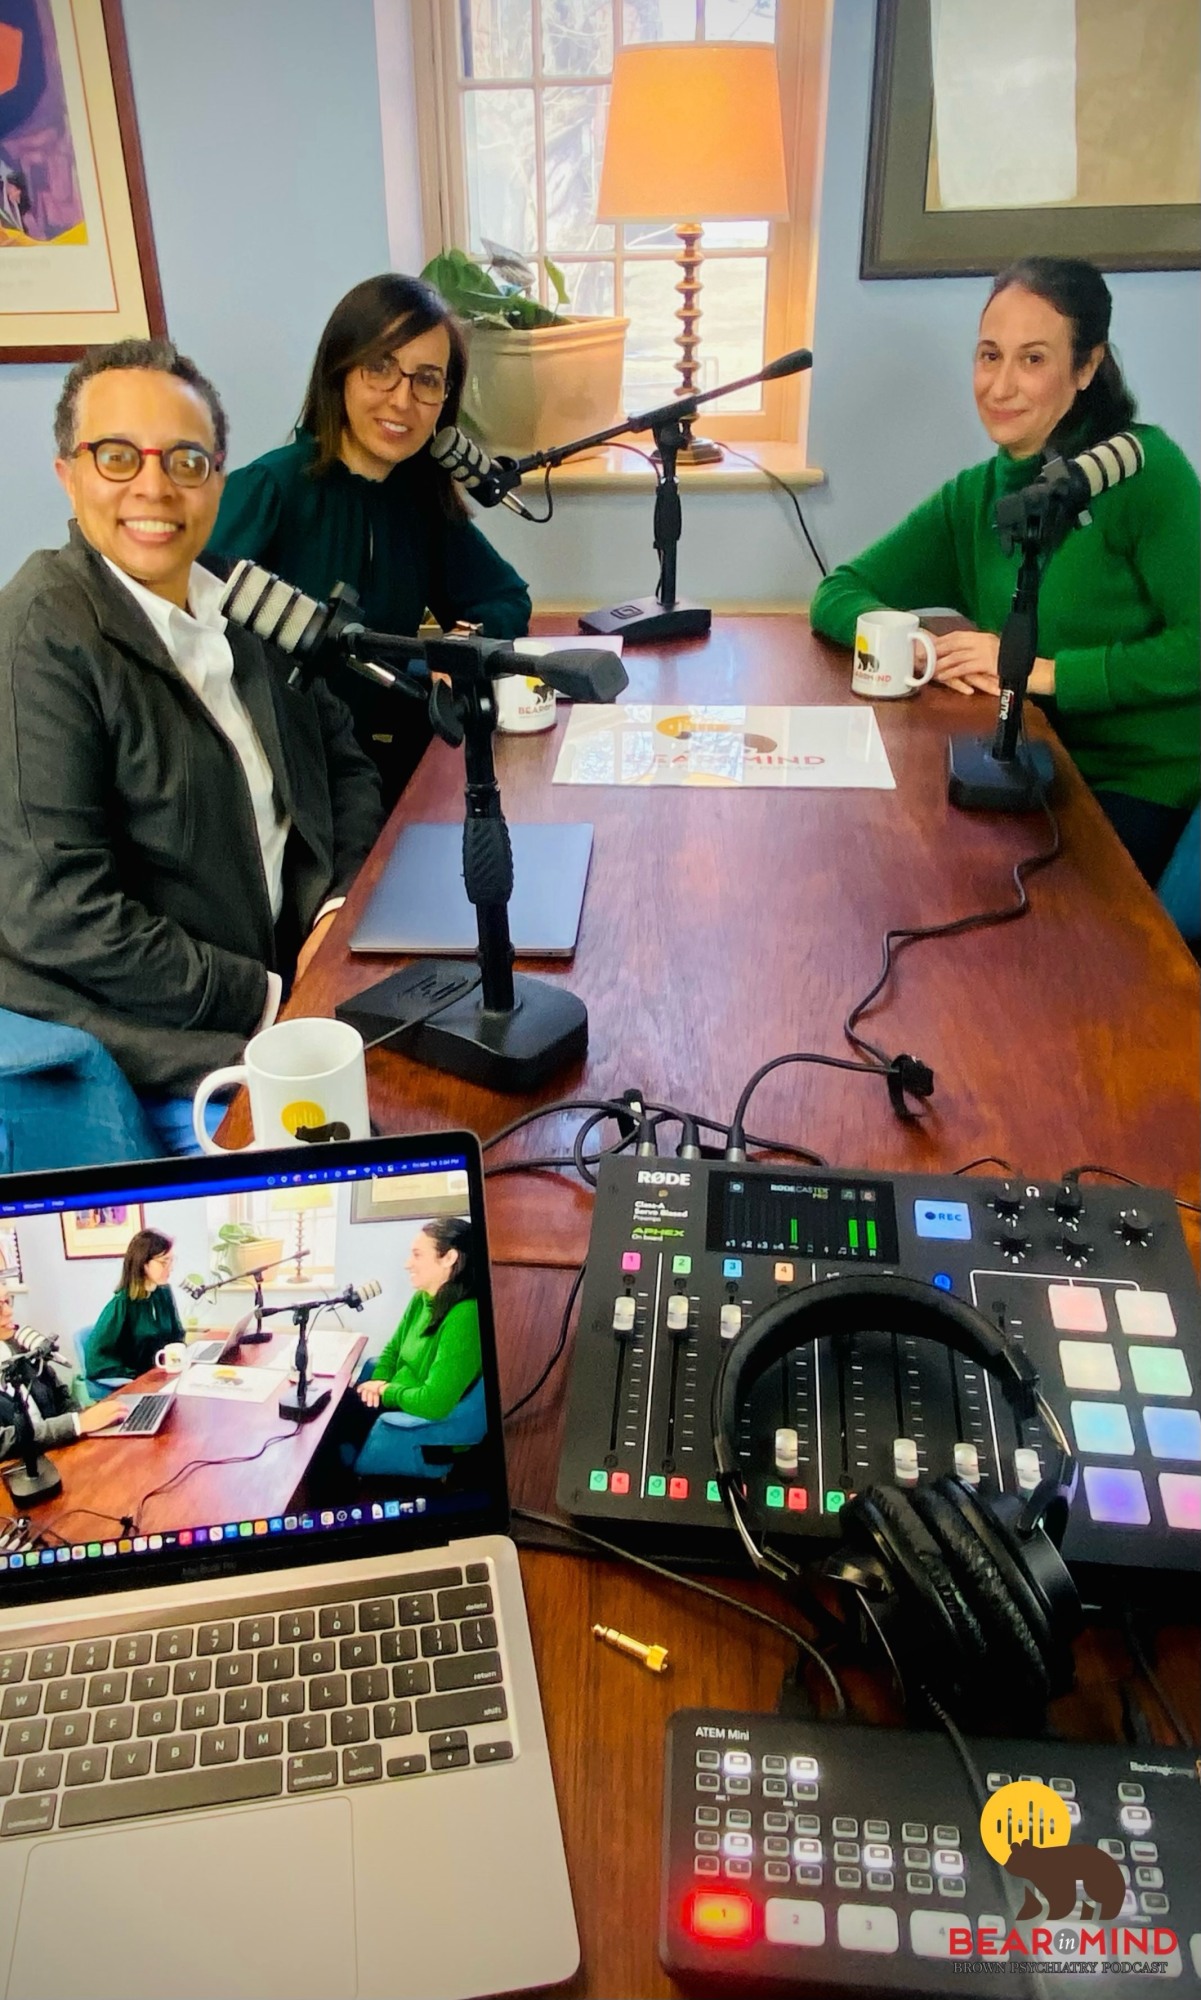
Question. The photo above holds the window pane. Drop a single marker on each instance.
(740, 20)
(590, 287)
(732, 304)
(573, 131)
(495, 37)
(499, 132)
(577, 37)
(660, 20)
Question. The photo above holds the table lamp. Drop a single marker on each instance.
(301, 1202)
(694, 129)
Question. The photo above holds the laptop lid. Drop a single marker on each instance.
(377, 1251)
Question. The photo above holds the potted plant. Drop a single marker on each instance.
(239, 1249)
(537, 376)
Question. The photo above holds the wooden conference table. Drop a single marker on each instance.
(721, 928)
(113, 1475)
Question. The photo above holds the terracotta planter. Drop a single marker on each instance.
(530, 388)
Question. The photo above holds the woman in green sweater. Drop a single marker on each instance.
(141, 1316)
(357, 499)
(1120, 650)
(434, 1356)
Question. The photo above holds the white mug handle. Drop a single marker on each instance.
(217, 1080)
(923, 638)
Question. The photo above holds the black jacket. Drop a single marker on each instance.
(132, 896)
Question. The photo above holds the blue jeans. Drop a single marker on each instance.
(170, 1120)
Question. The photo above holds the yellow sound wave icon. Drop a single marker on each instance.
(1025, 1810)
(302, 1111)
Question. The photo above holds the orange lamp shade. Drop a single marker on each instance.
(694, 131)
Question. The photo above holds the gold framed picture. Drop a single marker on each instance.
(77, 264)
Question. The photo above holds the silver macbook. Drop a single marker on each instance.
(271, 1725)
(420, 905)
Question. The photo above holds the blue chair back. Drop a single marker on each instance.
(64, 1102)
(1179, 886)
(397, 1445)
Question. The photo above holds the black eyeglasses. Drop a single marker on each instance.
(121, 460)
(428, 384)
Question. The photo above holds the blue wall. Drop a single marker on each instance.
(892, 412)
(260, 131)
(260, 128)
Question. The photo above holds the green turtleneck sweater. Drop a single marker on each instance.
(1118, 609)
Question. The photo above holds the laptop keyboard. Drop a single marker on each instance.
(145, 1416)
(307, 1698)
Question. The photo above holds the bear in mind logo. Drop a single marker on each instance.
(1055, 1873)
(1026, 1828)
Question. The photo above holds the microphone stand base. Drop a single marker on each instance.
(546, 1031)
(643, 621)
(297, 1412)
(978, 782)
(27, 1488)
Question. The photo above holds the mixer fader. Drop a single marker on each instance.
(1096, 1284)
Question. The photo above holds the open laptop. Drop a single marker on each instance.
(271, 1721)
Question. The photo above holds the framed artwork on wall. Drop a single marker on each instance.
(100, 1232)
(77, 263)
(1067, 128)
(10, 1257)
(411, 1198)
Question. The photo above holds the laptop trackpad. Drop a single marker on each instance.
(249, 1903)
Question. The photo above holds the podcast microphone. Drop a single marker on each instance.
(1065, 487)
(488, 480)
(358, 1295)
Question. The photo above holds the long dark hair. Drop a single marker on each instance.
(1080, 295)
(373, 318)
(452, 1232)
(143, 1248)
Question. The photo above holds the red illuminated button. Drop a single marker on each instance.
(619, 1482)
(798, 1499)
(721, 1918)
(677, 1489)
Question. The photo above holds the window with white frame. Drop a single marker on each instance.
(512, 141)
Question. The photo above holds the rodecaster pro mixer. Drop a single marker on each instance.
(1095, 1282)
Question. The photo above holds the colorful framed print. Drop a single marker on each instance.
(77, 264)
(100, 1232)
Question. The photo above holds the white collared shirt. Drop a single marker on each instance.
(196, 642)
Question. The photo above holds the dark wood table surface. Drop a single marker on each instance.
(112, 1476)
(721, 928)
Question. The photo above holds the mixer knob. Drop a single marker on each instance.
(1013, 1246)
(1026, 1468)
(730, 1322)
(967, 1464)
(677, 1312)
(1068, 1204)
(1134, 1226)
(1008, 1199)
(788, 1446)
(905, 1468)
(1074, 1249)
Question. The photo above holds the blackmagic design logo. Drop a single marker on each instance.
(1026, 1828)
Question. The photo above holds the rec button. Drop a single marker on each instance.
(729, 1918)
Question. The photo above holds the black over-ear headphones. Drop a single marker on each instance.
(970, 1597)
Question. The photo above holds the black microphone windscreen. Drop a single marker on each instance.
(586, 674)
(788, 364)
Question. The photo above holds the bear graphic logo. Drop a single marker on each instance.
(1026, 1827)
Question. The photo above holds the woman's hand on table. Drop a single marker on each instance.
(370, 1393)
(967, 661)
(313, 942)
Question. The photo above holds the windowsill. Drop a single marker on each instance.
(614, 470)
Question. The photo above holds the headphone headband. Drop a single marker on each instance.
(858, 1302)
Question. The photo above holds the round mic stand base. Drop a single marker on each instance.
(34, 1481)
(979, 781)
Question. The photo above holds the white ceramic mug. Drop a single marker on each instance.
(883, 668)
(172, 1357)
(523, 704)
(307, 1081)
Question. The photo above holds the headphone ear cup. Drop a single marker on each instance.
(1033, 1571)
(930, 1628)
(1014, 1676)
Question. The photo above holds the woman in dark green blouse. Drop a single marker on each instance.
(357, 499)
(141, 1317)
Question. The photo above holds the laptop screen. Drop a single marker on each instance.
(153, 1318)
